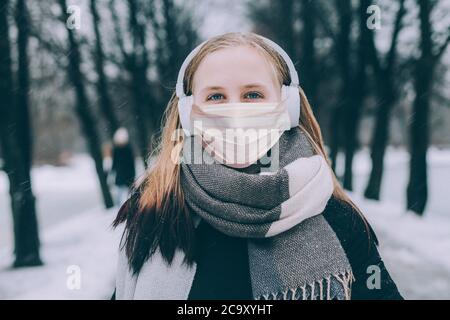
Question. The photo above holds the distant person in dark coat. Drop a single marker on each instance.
(123, 164)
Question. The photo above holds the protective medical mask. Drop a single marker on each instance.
(238, 134)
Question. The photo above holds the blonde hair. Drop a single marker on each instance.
(160, 191)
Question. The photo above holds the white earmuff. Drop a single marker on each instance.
(292, 96)
(290, 92)
(184, 109)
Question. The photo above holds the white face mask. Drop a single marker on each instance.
(238, 134)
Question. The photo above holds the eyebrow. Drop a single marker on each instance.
(211, 88)
(247, 86)
(253, 85)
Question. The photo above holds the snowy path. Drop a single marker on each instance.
(61, 193)
(84, 243)
(416, 250)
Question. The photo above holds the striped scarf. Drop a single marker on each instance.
(293, 252)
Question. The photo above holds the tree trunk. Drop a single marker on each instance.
(172, 46)
(138, 86)
(335, 135)
(380, 140)
(136, 63)
(286, 27)
(175, 37)
(342, 51)
(17, 166)
(106, 105)
(356, 95)
(82, 108)
(140, 103)
(387, 92)
(308, 59)
(417, 190)
(24, 132)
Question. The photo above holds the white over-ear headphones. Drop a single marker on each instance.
(290, 92)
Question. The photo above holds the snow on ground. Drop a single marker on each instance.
(416, 250)
(76, 232)
(61, 192)
(83, 246)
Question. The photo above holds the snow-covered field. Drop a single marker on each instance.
(61, 192)
(76, 237)
(416, 249)
(80, 259)
(78, 243)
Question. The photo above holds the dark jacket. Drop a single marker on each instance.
(223, 267)
(123, 165)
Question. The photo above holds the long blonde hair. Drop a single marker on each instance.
(160, 191)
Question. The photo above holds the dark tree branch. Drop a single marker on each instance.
(443, 47)
(83, 111)
(118, 30)
(323, 22)
(102, 81)
(138, 35)
(49, 44)
(391, 56)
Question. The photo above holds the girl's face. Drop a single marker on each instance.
(235, 74)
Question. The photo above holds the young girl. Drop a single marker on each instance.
(256, 218)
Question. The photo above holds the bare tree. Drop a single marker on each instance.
(175, 37)
(280, 20)
(387, 93)
(136, 63)
(425, 66)
(82, 108)
(16, 161)
(276, 19)
(351, 58)
(173, 33)
(342, 53)
(23, 79)
(356, 93)
(106, 105)
(308, 61)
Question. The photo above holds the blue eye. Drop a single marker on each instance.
(253, 95)
(215, 97)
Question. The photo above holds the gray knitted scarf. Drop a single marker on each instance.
(291, 247)
(293, 252)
